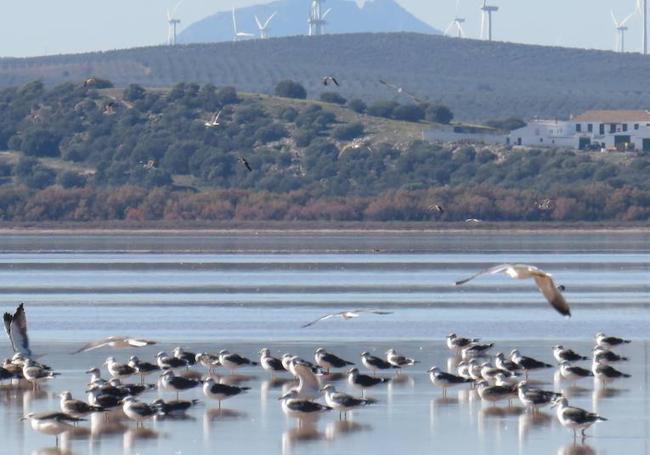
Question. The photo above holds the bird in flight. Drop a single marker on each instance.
(214, 121)
(345, 315)
(246, 164)
(436, 208)
(401, 91)
(115, 342)
(327, 80)
(16, 327)
(543, 280)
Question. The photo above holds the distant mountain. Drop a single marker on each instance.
(291, 20)
(478, 80)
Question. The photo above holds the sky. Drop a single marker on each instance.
(45, 27)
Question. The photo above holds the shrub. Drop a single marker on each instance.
(70, 179)
(358, 106)
(508, 124)
(409, 113)
(40, 142)
(349, 131)
(332, 97)
(439, 114)
(134, 92)
(227, 95)
(290, 89)
(382, 108)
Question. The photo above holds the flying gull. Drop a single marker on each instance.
(345, 315)
(308, 385)
(214, 121)
(115, 342)
(441, 379)
(575, 418)
(327, 80)
(246, 164)
(16, 327)
(401, 91)
(543, 280)
(329, 361)
(220, 392)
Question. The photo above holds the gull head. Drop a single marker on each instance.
(27, 416)
(451, 336)
(558, 347)
(93, 370)
(109, 361)
(178, 351)
(210, 381)
(289, 395)
(365, 354)
(433, 369)
(115, 382)
(559, 401)
(329, 388)
(128, 399)
(167, 372)
(65, 395)
(514, 352)
(353, 371)
(391, 352)
(161, 354)
(134, 359)
(600, 335)
(320, 351)
(522, 385)
(224, 352)
(265, 352)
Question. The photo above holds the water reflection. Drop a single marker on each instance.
(575, 449)
(529, 421)
(305, 432)
(339, 428)
(134, 435)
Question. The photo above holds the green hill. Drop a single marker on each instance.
(476, 79)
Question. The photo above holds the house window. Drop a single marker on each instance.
(612, 127)
(601, 129)
(578, 127)
(636, 126)
(590, 128)
(624, 127)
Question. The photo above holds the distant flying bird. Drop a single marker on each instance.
(214, 121)
(150, 164)
(543, 280)
(246, 164)
(544, 204)
(346, 315)
(401, 91)
(115, 343)
(472, 220)
(330, 79)
(436, 208)
(16, 327)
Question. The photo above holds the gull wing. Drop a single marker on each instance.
(371, 310)
(139, 342)
(322, 318)
(492, 270)
(96, 344)
(18, 332)
(335, 81)
(552, 293)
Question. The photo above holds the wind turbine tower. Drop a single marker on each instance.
(486, 14)
(317, 18)
(172, 24)
(642, 7)
(621, 28)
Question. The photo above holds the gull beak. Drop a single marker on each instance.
(429, 370)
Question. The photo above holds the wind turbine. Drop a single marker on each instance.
(264, 29)
(621, 28)
(486, 15)
(239, 35)
(172, 23)
(642, 8)
(456, 23)
(317, 18)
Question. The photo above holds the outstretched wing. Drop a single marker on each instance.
(322, 318)
(96, 344)
(552, 293)
(335, 81)
(492, 270)
(18, 332)
(139, 343)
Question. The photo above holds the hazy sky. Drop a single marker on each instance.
(37, 27)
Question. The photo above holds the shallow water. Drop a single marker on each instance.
(245, 291)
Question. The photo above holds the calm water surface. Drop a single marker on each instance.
(246, 291)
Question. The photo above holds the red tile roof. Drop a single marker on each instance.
(613, 116)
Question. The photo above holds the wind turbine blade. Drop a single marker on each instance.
(614, 19)
(266, 24)
(259, 24)
(326, 13)
(176, 7)
(483, 24)
(627, 19)
(234, 21)
(448, 29)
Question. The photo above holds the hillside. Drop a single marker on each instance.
(291, 20)
(78, 152)
(477, 80)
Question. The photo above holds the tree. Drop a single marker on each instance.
(439, 114)
(409, 113)
(134, 92)
(357, 105)
(332, 97)
(71, 179)
(382, 108)
(40, 142)
(349, 131)
(227, 95)
(290, 89)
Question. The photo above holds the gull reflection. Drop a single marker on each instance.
(305, 432)
(223, 414)
(133, 435)
(338, 428)
(452, 364)
(51, 451)
(574, 391)
(106, 423)
(234, 379)
(573, 449)
(601, 393)
(529, 421)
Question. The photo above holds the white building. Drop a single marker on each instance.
(608, 130)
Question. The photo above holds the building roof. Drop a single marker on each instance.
(613, 116)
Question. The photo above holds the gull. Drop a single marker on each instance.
(308, 385)
(220, 392)
(363, 380)
(330, 79)
(97, 397)
(164, 361)
(475, 350)
(96, 377)
(505, 364)
(233, 361)
(543, 280)
(270, 363)
(473, 220)
(489, 373)
(375, 363)
(561, 354)
(189, 357)
(445, 380)
(463, 370)
(36, 374)
(76, 408)
(118, 370)
(527, 363)
(575, 418)
(436, 208)
(137, 410)
(494, 393)
(142, 368)
(53, 423)
(173, 383)
(293, 406)
(535, 398)
(340, 401)
(173, 408)
(606, 356)
(350, 314)
(605, 373)
(210, 361)
(456, 343)
(16, 327)
(605, 341)
(116, 386)
(115, 342)
(246, 164)
(329, 361)
(573, 373)
(399, 361)
(214, 121)
(400, 90)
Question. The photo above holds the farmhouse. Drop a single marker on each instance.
(602, 130)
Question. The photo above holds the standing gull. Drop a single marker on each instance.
(606, 373)
(138, 411)
(142, 368)
(118, 370)
(605, 356)
(609, 342)
(445, 380)
(16, 328)
(363, 380)
(210, 361)
(173, 383)
(53, 423)
(456, 343)
(494, 393)
(189, 357)
(115, 342)
(527, 363)
(475, 350)
(36, 374)
(345, 315)
(270, 363)
(329, 361)
(561, 354)
(573, 373)
(340, 401)
(375, 363)
(575, 418)
(174, 408)
(535, 398)
(543, 280)
(220, 392)
(293, 406)
(166, 362)
(76, 408)
(234, 361)
(505, 364)
(399, 361)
